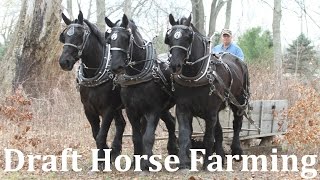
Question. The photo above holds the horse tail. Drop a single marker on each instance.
(246, 82)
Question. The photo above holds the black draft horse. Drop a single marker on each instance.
(145, 90)
(203, 85)
(82, 40)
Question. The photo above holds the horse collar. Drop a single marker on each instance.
(103, 74)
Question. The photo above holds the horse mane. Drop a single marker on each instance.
(134, 29)
(94, 29)
(184, 19)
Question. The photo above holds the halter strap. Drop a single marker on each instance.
(188, 49)
(85, 38)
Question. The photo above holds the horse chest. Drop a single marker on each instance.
(100, 98)
(144, 98)
(195, 100)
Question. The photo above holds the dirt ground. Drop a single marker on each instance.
(56, 125)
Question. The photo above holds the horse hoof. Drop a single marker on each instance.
(144, 173)
(184, 167)
(101, 166)
(114, 155)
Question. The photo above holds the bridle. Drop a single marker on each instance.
(85, 37)
(178, 29)
(129, 51)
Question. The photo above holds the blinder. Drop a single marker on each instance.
(177, 29)
(114, 35)
(70, 32)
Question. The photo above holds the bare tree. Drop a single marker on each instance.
(216, 6)
(9, 18)
(33, 52)
(101, 12)
(228, 14)
(69, 8)
(127, 8)
(276, 33)
(89, 10)
(198, 15)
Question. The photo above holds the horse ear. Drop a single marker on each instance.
(188, 22)
(109, 22)
(65, 19)
(80, 17)
(125, 21)
(171, 20)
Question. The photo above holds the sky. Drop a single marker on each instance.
(246, 14)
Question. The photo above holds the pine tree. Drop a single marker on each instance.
(256, 45)
(301, 57)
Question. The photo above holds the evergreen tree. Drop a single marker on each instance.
(301, 57)
(256, 45)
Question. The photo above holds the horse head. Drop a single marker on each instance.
(122, 39)
(74, 38)
(179, 38)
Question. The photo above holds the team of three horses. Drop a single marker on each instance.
(119, 69)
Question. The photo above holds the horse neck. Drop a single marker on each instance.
(92, 56)
(197, 51)
(137, 54)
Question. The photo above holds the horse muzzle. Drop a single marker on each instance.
(176, 68)
(67, 64)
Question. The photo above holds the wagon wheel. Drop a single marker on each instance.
(266, 141)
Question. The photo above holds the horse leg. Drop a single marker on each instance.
(218, 135)
(101, 139)
(149, 137)
(120, 124)
(136, 132)
(237, 125)
(184, 119)
(170, 122)
(94, 121)
(208, 139)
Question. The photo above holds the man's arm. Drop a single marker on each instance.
(240, 54)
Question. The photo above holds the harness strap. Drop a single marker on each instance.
(199, 60)
(234, 101)
(181, 47)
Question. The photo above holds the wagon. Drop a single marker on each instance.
(270, 116)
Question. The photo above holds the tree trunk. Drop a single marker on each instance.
(127, 8)
(31, 60)
(216, 6)
(228, 15)
(69, 8)
(101, 12)
(89, 10)
(276, 33)
(198, 15)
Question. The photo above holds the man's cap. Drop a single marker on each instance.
(226, 31)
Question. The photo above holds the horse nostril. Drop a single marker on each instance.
(175, 69)
(65, 64)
